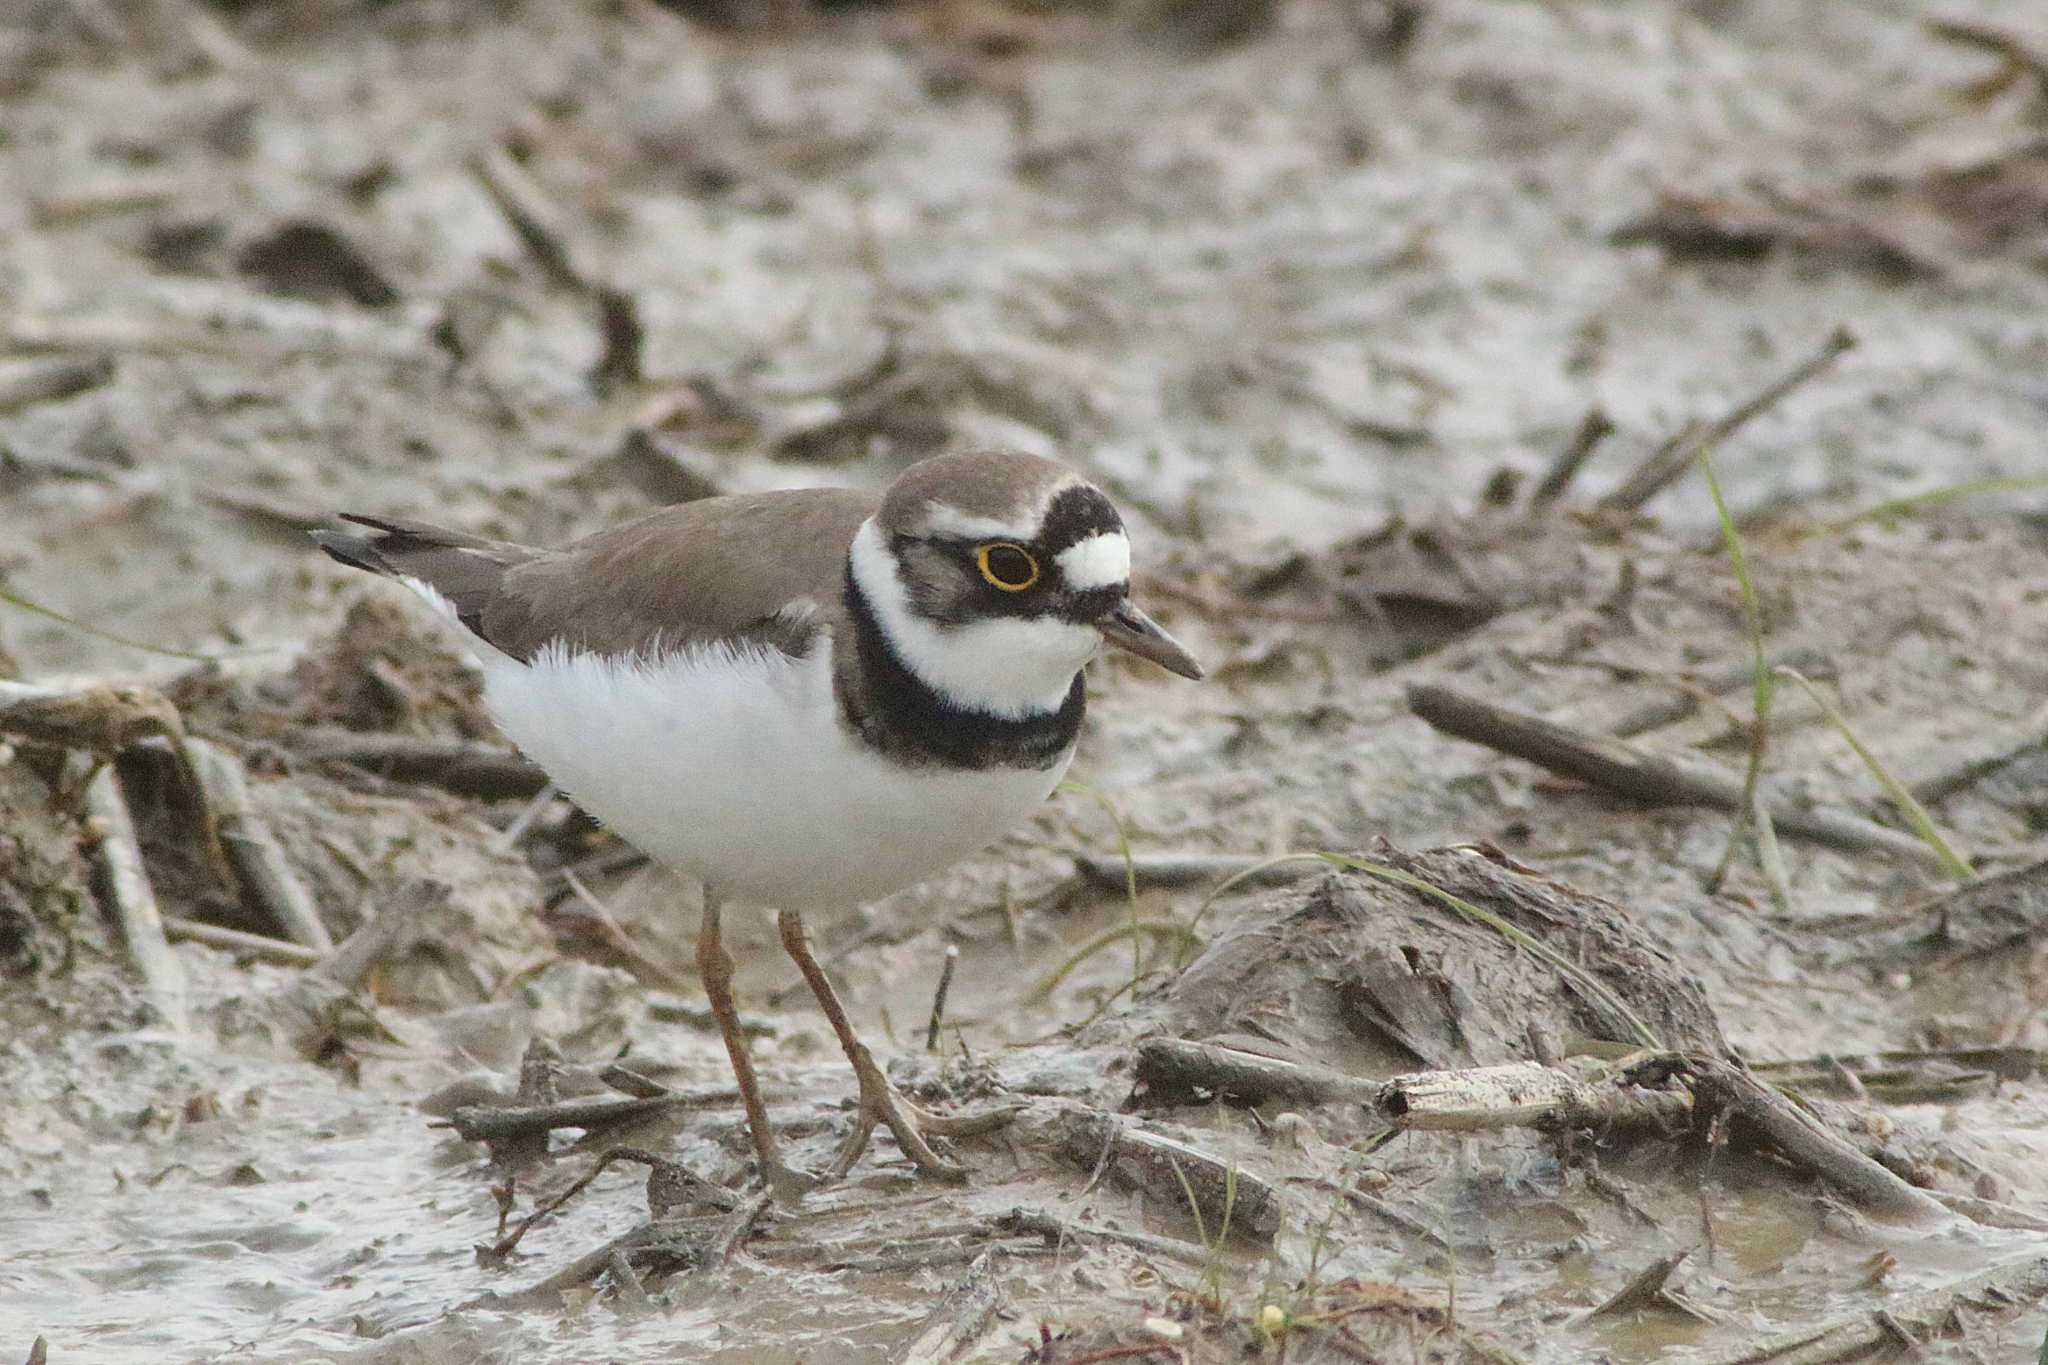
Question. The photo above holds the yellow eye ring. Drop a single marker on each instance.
(1007, 566)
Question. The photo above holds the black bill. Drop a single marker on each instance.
(1134, 630)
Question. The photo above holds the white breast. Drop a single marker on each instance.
(732, 766)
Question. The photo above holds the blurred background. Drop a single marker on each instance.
(1271, 269)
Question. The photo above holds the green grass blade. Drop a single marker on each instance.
(129, 642)
(1892, 509)
(1750, 819)
(1144, 928)
(1762, 684)
(1223, 888)
(1915, 813)
(1123, 843)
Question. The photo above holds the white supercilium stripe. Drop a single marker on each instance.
(942, 520)
(1102, 560)
(1007, 666)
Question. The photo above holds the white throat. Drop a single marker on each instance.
(1006, 666)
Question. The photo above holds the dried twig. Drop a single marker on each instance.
(670, 1185)
(1671, 460)
(628, 1081)
(133, 899)
(491, 1123)
(945, 986)
(925, 1256)
(330, 335)
(650, 970)
(1174, 870)
(626, 1282)
(1930, 1077)
(115, 192)
(533, 217)
(508, 1242)
(1577, 1093)
(462, 766)
(1165, 1170)
(253, 849)
(1873, 1068)
(545, 231)
(1644, 1290)
(1059, 1232)
(1720, 1088)
(350, 964)
(1990, 1212)
(1656, 779)
(259, 946)
(678, 1239)
(1595, 427)
(700, 1243)
(305, 1008)
(1175, 1066)
(1977, 757)
(734, 1230)
(919, 1238)
(958, 1320)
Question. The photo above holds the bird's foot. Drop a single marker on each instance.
(787, 1183)
(881, 1104)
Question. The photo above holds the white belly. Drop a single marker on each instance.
(734, 768)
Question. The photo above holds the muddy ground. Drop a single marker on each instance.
(1321, 292)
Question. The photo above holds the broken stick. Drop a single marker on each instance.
(1654, 779)
(1113, 872)
(496, 1123)
(1595, 427)
(1223, 1197)
(258, 858)
(242, 945)
(961, 1317)
(1671, 460)
(1579, 1092)
(462, 766)
(133, 899)
(1721, 1088)
(1171, 1067)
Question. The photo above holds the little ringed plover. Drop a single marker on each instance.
(805, 699)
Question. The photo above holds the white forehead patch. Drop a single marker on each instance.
(939, 519)
(1101, 561)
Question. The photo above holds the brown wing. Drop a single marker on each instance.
(715, 569)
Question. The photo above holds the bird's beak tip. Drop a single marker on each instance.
(1130, 628)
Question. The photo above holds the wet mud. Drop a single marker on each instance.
(1429, 984)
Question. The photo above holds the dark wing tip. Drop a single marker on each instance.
(357, 552)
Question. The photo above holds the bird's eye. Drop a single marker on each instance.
(1006, 566)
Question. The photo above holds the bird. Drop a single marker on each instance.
(804, 699)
